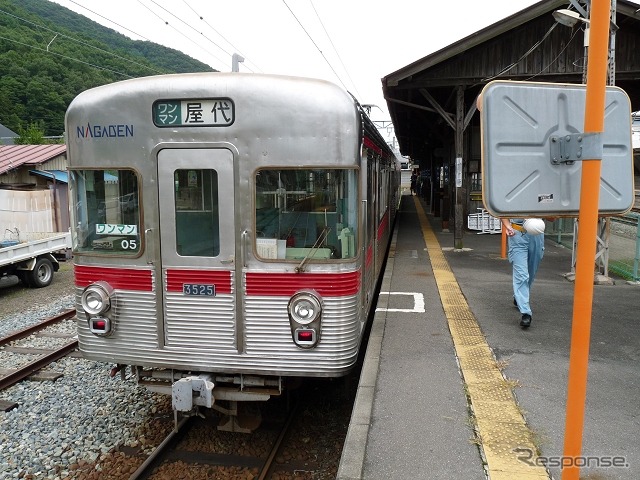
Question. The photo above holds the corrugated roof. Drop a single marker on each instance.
(14, 156)
(57, 175)
(624, 7)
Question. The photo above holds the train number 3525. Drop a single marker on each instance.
(198, 289)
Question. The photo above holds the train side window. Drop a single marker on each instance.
(197, 216)
(306, 213)
(105, 211)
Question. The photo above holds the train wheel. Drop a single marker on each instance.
(42, 273)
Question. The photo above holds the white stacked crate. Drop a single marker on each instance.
(484, 222)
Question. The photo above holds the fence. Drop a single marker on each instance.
(624, 242)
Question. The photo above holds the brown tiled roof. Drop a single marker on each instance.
(14, 156)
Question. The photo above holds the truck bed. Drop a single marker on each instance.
(33, 248)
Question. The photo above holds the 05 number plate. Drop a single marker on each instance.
(199, 289)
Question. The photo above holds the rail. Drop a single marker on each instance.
(168, 450)
(42, 361)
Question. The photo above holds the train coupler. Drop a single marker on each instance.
(192, 391)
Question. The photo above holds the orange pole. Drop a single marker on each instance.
(587, 235)
(503, 244)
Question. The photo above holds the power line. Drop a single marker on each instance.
(109, 20)
(222, 36)
(67, 57)
(185, 36)
(81, 42)
(191, 27)
(557, 56)
(526, 54)
(316, 45)
(335, 49)
(142, 36)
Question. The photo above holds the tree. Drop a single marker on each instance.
(32, 135)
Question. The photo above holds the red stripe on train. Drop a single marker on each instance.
(286, 284)
(384, 225)
(118, 278)
(369, 144)
(220, 278)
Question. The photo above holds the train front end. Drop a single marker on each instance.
(218, 221)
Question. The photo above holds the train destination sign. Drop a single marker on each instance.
(208, 112)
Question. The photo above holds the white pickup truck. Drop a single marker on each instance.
(33, 261)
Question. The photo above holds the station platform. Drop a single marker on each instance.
(453, 388)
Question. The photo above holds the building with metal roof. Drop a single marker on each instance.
(27, 170)
(432, 101)
(17, 160)
(6, 135)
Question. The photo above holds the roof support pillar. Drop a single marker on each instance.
(458, 211)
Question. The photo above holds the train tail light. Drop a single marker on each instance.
(100, 326)
(305, 314)
(305, 337)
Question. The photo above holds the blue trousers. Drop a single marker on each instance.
(525, 253)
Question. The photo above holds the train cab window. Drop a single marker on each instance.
(197, 216)
(306, 213)
(105, 211)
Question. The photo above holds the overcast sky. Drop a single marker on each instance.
(353, 43)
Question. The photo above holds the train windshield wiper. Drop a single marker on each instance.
(312, 251)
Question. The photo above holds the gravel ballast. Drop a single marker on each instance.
(62, 428)
(87, 425)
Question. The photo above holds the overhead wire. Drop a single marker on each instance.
(149, 67)
(355, 87)
(142, 36)
(523, 56)
(109, 20)
(67, 57)
(222, 36)
(316, 45)
(557, 56)
(191, 27)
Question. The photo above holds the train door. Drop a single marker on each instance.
(369, 234)
(197, 246)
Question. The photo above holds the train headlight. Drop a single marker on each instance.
(96, 300)
(305, 314)
(304, 308)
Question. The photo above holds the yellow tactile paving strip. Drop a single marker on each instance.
(500, 427)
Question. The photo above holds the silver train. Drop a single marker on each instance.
(228, 231)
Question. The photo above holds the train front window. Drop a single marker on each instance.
(197, 216)
(306, 213)
(105, 212)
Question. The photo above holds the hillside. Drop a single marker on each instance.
(39, 78)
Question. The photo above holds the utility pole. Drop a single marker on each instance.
(235, 62)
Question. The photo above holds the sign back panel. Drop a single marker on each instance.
(529, 130)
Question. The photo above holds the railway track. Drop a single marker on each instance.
(44, 357)
(169, 451)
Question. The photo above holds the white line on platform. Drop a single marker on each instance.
(418, 303)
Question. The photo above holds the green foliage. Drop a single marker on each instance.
(32, 135)
(39, 77)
